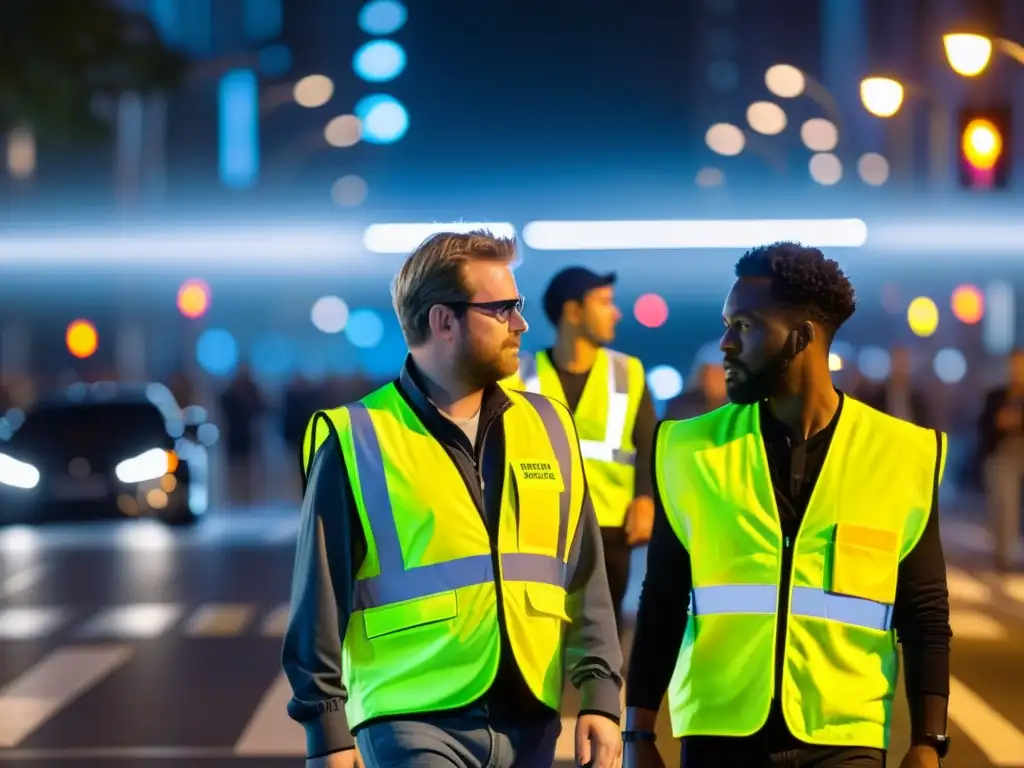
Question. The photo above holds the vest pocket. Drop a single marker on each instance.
(546, 599)
(385, 619)
(538, 517)
(865, 562)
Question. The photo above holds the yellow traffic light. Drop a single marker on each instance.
(985, 148)
(982, 144)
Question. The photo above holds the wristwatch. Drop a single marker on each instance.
(938, 742)
(632, 735)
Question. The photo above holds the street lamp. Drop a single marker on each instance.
(969, 54)
(881, 96)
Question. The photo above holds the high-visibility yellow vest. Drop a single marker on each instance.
(424, 635)
(605, 417)
(868, 509)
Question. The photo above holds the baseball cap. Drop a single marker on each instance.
(572, 284)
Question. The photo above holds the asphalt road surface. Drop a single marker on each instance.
(129, 644)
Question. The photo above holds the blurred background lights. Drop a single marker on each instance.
(21, 153)
(217, 351)
(826, 169)
(349, 191)
(384, 119)
(343, 131)
(881, 96)
(329, 314)
(874, 363)
(81, 339)
(835, 362)
(873, 169)
(923, 316)
(819, 134)
(382, 17)
(709, 177)
(379, 61)
(785, 81)
(313, 91)
(725, 139)
(193, 298)
(364, 329)
(999, 330)
(968, 304)
(968, 53)
(650, 310)
(766, 118)
(272, 356)
(665, 382)
(950, 365)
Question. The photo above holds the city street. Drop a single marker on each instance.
(129, 644)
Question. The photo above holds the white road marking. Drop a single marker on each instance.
(140, 620)
(270, 732)
(26, 623)
(18, 582)
(62, 676)
(277, 622)
(219, 620)
(996, 737)
(966, 588)
(972, 625)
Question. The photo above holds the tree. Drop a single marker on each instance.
(62, 60)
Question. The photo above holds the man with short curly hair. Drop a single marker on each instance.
(796, 538)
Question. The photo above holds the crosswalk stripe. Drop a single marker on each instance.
(140, 620)
(972, 625)
(219, 620)
(277, 622)
(1014, 587)
(33, 698)
(26, 623)
(993, 734)
(20, 581)
(963, 586)
(270, 732)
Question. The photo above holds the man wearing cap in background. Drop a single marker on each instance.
(614, 413)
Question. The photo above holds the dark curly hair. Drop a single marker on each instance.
(803, 280)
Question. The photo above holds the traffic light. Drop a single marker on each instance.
(984, 148)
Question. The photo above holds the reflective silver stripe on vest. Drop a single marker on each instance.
(807, 601)
(609, 449)
(396, 583)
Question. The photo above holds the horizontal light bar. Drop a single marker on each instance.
(286, 247)
(403, 238)
(981, 237)
(689, 234)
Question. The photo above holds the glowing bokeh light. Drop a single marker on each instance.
(193, 298)
(968, 304)
(82, 339)
(650, 310)
(923, 316)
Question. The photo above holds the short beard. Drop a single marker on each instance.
(476, 371)
(759, 385)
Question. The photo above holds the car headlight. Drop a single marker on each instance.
(17, 473)
(150, 465)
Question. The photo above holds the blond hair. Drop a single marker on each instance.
(435, 274)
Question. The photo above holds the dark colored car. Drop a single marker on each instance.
(103, 451)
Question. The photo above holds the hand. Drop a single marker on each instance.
(639, 520)
(349, 758)
(921, 756)
(641, 754)
(598, 742)
(1008, 418)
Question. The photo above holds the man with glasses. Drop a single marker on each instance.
(450, 573)
(613, 409)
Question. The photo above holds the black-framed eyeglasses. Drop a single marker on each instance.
(500, 310)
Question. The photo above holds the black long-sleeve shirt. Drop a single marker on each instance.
(332, 545)
(920, 612)
(643, 427)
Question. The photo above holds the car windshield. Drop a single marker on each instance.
(93, 428)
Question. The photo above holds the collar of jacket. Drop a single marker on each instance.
(410, 384)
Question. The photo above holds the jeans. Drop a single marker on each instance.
(465, 740)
